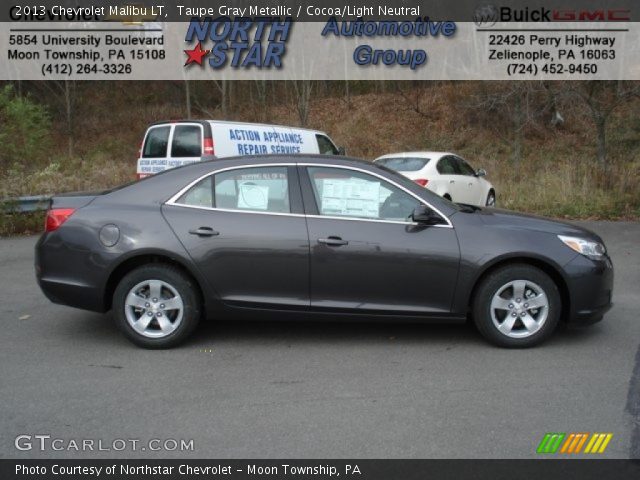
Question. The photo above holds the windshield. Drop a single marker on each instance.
(404, 164)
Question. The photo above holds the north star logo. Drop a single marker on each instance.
(240, 43)
(196, 55)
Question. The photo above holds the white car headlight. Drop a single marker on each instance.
(588, 248)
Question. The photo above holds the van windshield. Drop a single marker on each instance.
(404, 164)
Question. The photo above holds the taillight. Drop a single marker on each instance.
(208, 146)
(56, 217)
(422, 182)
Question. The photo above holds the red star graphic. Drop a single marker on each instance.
(195, 55)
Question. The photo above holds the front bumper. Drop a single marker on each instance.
(590, 285)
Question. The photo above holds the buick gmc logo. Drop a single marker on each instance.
(488, 15)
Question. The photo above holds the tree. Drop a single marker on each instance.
(302, 94)
(602, 98)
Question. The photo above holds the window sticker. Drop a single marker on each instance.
(252, 196)
(350, 197)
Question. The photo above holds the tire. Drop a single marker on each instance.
(159, 324)
(491, 199)
(496, 302)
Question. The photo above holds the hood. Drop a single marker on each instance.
(507, 218)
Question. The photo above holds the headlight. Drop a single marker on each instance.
(588, 248)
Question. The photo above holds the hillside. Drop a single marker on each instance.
(555, 173)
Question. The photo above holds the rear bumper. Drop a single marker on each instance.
(68, 275)
(71, 294)
(590, 284)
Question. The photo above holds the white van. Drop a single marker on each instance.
(174, 143)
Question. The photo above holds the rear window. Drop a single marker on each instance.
(187, 141)
(405, 164)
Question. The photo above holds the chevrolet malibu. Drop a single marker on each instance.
(312, 237)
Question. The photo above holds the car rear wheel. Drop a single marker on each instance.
(517, 306)
(156, 306)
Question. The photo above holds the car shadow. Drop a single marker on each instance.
(331, 332)
(92, 328)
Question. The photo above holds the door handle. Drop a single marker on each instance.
(471, 184)
(333, 241)
(452, 181)
(204, 232)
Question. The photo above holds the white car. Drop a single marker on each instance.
(447, 174)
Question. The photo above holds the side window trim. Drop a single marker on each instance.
(310, 198)
(173, 201)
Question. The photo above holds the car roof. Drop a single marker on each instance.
(231, 122)
(422, 154)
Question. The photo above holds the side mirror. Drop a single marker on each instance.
(425, 216)
(481, 172)
(342, 151)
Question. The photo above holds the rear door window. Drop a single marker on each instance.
(155, 145)
(326, 146)
(404, 164)
(187, 141)
(260, 189)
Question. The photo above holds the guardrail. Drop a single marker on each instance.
(34, 203)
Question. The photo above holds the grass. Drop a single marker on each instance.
(21, 223)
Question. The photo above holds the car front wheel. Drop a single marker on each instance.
(491, 199)
(156, 306)
(517, 306)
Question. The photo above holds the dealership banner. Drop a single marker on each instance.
(295, 40)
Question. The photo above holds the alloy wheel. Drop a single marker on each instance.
(154, 308)
(519, 309)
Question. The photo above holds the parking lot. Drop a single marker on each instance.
(302, 390)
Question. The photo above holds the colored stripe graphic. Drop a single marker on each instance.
(551, 442)
(574, 443)
(598, 443)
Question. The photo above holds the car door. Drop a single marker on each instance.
(450, 181)
(186, 144)
(471, 189)
(154, 151)
(245, 230)
(366, 255)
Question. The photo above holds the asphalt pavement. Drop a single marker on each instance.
(302, 390)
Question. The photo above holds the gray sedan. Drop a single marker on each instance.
(313, 237)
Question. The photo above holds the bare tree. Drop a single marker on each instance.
(261, 90)
(418, 98)
(187, 95)
(509, 108)
(602, 99)
(64, 92)
(302, 91)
